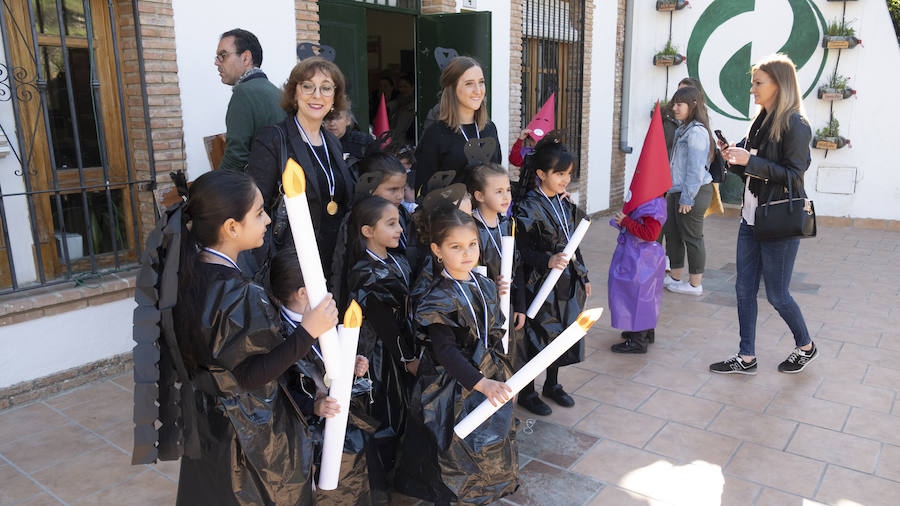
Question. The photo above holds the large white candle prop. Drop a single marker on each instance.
(507, 251)
(529, 371)
(293, 181)
(554, 274)
(341, 387)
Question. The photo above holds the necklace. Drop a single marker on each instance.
(394, 260)
(466, 137)
(223, 256)
(332, 207)
(471, 308)
(489, 231)
(561, 219)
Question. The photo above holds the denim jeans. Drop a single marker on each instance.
(774, 261)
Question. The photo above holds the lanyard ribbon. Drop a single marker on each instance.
(329, 174)
(223, 256)
(466, 137)
(561, 219)
(489, 231)
(471, 308)
(394, 260)
(290, 321)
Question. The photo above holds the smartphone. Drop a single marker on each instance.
(721, 137)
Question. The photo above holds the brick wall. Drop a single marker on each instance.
(438, 6)
(307, 20)
(515, 77)
(163, 96)
(617, 162)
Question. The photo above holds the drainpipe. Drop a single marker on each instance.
(626, 78)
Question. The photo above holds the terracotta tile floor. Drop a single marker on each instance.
(654, 429)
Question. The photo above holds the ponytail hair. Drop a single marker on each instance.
(350, 244)
(213, 198)
(285, 277)
(380, 163)
(480, 174)
(550, 155)
(442, 220)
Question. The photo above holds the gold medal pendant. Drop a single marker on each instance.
(332, 208)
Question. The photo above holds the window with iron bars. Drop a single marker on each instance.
(553, 62)
(68, 193)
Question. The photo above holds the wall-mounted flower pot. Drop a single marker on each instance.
(673, 5)
(667, 60)
(840, 41)
(830, 142)
(830, 94)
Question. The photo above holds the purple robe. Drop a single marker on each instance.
(636, 273)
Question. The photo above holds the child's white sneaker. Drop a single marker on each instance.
(684, 287)
(669, 281)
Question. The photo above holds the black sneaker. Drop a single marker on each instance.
(798, 359)
(734, 365)
(559, 395)
(532, 402)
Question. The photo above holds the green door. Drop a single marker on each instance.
(343, 27)
(437, 35)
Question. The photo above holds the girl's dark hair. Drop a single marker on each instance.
(444, 219)
(349, 248)
(478, 178)
(380, 163)
(213, 198)
(696, 111)
(694, 83)
(285, 277)
(550, 155)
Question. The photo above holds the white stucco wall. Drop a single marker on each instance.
(866, 119)
(602, 54)
(41, 347)
(499, 80)
(204, 99)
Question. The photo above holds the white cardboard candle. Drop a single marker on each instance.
(554, 274)
(340, 390)
(507, 251)
(529, 371)
(294, 184)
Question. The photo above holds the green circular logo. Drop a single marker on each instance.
(727, 24)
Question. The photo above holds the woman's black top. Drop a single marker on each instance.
(443, 149)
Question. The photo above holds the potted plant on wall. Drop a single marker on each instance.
(840, 35)
(836, 88)
(671, 5)
(668, 56)
(829, 137)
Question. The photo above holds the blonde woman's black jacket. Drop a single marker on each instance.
(775, 162)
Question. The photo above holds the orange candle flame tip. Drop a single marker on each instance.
(293, 179)
(353, 317)
(589, 317)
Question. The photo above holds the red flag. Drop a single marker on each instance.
(381, 120)
(545, 119)
(652, 177)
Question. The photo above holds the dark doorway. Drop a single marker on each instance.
(391, 67)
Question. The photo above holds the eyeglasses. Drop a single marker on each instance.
(220, 57)
(326, 90)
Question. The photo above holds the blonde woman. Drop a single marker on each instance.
(462, 117)
(775, 150)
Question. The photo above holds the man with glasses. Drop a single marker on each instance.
(255, 101)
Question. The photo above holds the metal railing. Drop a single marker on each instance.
(553, 61)
(93, 200)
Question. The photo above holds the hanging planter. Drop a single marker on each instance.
(668, 56)
(671, 5)
(836, 89)
(840, 35)
(829, 137)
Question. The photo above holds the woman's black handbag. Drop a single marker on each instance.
(793, 217)
(717, 168)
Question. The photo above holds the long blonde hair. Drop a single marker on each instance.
(788, 100)
(449, 112)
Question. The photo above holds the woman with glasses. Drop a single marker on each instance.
(315, 88)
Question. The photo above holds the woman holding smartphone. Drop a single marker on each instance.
(775, 150)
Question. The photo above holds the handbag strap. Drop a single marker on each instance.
(790, 196)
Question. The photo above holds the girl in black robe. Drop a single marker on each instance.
(307, 387)
(458, 325)
(545, 221)
(379, 282)
(252, 445)
(491, 193)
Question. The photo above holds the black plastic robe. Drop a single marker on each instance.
(539, 235)
(381, 288)
(435, 464)
(306, 383)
